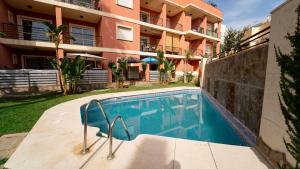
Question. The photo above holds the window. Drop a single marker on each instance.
(33, 29)
(36, 62)
(83, 35)
(124, 33)
(145, 17)
(125, 3)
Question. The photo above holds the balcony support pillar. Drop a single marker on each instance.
(58, 17)
(147, 73)
(204, 24)
(204, 46)
(162, 41)
(219, 29)
(163, 14)
(218, 48)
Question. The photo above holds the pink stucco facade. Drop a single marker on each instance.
(164, 19)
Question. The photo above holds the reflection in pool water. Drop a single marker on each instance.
(184, 114)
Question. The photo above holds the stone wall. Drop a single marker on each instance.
(237, 82)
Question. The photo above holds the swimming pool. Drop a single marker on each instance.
(187, 114)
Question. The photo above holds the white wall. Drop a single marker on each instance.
(273, 128)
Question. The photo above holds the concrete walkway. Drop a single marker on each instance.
(56, 141)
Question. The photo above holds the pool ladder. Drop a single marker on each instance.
(110, 127)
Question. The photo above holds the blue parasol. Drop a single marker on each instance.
(149, 60)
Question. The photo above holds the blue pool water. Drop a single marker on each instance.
(184, 114)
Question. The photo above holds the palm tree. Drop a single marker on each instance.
(55, 34)
(144, 67)
(188, 55)
(123, 66)
(160, 61)
(169, 68)
(115, 71)
(72, 69)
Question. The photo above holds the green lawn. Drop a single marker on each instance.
(19, 115)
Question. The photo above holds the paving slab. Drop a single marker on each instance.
(237, 157)
(9, 143)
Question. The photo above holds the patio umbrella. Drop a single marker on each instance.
(149, 60)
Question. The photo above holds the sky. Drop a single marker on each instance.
(241, 13)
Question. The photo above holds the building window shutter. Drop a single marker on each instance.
(124, 33)
(125, 3)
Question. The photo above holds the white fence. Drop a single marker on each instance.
(25, 78)
(94, 76)
(153, 75)
(28, 78)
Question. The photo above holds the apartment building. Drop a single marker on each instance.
(108, 30)
(258, 33)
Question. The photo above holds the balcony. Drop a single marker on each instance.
(92, 4)
(13, 31)
(153, 19)
(146, 47)
(173, 50)
(21, 32)
(196, 52)
(83, 39)
(176, 26)
(198, 29)
(212, 33)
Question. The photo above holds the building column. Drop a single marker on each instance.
(163, 14)
(147, 73)
(162, 41)
(203, 44)
(183, 45)
(110, 77)
(187, 24)
(58, 17)
(204, 24)
(219, 29)
(218, 48)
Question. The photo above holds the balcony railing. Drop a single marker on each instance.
(83, 39)
(21, 32)
(150, 47)
(173, 50)
(13, 31)
(176, 26)
(153, 19)
(92, 4)
(198, 29)
(196, 52)
(211, 33)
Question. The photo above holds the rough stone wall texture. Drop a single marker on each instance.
(237, 82)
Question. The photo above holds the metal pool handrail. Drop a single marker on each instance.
(110, 154)
(85, 149)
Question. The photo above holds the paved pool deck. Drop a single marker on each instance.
(56, 140)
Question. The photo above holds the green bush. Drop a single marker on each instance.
(197, 82)
(189, 77)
